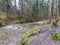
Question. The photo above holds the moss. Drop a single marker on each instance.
(56, 36)
(29, 33)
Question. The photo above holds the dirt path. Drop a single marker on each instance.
(44, 38)
(12, 34)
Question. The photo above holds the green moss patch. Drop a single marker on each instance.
(56, 36)
(29, 33)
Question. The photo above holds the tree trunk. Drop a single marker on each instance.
(15, 6)
(57, 8)
(22, 9)
(49, 5)
(54, 9)
(55, 13)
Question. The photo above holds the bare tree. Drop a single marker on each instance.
(22, 8)
(55, 12)
(49, 5)
(57, 8)
(54, 8)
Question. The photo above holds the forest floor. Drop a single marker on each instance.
(12, 34)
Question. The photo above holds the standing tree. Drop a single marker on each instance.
(15, 6)
(54, 8)
(42, 8)
(55, 12)
(49, 5)
(22, 12)
(35, 8)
